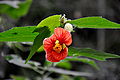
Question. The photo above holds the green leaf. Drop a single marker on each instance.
(19, 34)
(66, 65)
(51, 22)
(22, 9)
(91, 53)
(94, 22)
(38, 42)
(48, 63)
(40, 49)
(18, 78)
(84, 60)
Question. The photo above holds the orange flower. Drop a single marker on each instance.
(56, 45)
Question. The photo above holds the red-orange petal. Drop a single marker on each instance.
(63, 36)
(49, 43)
(62, 55)
(57, 56)
(50, 57)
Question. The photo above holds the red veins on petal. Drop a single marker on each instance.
(55, 45)
(63, 36)
(49, 43)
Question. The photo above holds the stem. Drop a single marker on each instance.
(44, 69)
(48, 73)
(36, 70)
(52, 65)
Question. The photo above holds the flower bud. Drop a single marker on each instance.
(68, 27)
(63, 19)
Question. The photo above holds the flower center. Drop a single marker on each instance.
(58, 47)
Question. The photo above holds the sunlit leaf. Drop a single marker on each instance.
(94, 22)
(91, 53)
(19, 34)
(51, 22)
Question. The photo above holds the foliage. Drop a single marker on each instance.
(84, 60)
(18, 78)
(91, 53)
(94, 22)
(35, 66)
(37, 34)
(51, 22)
(15, 13)
(66, 65)
(66, 77)
(19, 34)
(43, 33)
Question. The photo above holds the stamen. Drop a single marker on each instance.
(56, 42)
(63, 46)
(58, 47)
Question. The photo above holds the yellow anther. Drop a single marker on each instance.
(57, 48)
(63, 46)
(56, 42)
